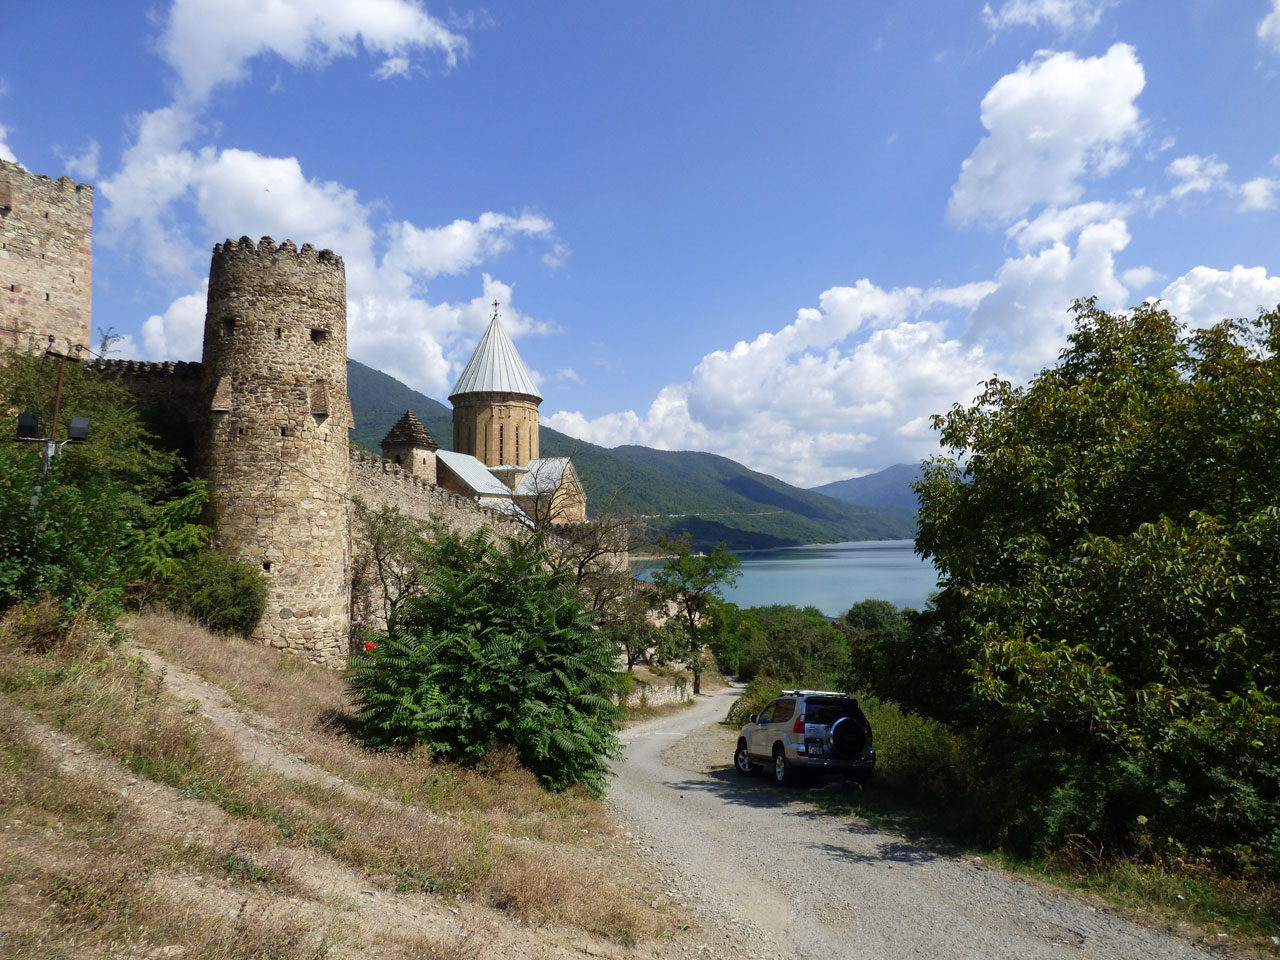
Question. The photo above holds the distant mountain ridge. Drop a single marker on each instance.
(712, 497)
(890, 489)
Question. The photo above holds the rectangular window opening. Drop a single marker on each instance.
(228, 326)
(318, 335)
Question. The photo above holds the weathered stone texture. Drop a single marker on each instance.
(496, 428)
(380, 482)
(45, 261)
(277, 467)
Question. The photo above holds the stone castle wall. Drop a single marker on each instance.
(380, 483)
(46, 262)
(274, 395)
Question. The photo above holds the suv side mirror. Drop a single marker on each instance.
(751, 719)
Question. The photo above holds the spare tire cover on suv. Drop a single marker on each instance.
(848, 738)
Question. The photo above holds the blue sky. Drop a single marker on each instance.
(786, 232)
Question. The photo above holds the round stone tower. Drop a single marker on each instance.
(275, 453)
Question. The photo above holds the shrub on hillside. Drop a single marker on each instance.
(224, 594)
(497, 649)
(760, 691)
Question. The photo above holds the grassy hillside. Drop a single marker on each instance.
(712, 497)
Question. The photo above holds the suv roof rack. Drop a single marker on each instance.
(817, 693)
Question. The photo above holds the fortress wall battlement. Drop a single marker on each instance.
(46, 261)
(380, 482)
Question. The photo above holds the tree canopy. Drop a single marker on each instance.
(1108, 539)
(688, 588)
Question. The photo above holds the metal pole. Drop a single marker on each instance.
(51, 447)
(57, 397)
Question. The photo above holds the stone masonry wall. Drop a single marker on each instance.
(496, 428)
(45, 261)
(274, 392)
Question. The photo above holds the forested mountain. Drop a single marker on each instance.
(712, 497)
(889, 489)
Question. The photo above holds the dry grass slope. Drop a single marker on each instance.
(174, 793)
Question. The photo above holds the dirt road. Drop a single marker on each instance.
(781, 880)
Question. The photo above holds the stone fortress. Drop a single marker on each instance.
(268, 412)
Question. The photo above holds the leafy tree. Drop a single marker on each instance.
(688, 588)
(107, 514)
(496, 649)
(389, 561)
(1108, 538)
(798, 647)
(876, 616)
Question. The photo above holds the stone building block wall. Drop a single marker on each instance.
(379, 482)
(46, 261)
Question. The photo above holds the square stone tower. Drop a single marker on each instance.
(45, 261)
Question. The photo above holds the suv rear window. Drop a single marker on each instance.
(827, 710)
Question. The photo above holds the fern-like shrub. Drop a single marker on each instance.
(497, 649)
(224, 594)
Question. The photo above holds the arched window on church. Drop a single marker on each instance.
(501, 459)
(517, 460)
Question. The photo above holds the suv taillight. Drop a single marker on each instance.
(798, 727)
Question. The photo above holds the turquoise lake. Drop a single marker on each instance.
(830, 576)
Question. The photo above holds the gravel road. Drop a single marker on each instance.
(775, 878)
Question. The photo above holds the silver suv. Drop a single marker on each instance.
(807, 730)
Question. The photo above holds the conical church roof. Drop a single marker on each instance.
(495, 367)
(409, 429)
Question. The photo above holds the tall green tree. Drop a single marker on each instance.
(688, 588)
(1108, 538)
(496, 648)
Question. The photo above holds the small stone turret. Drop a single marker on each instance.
(274, 384)
(410, 445)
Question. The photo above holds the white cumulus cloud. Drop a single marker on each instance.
(1205, 295)
(211, 42)
(1269, 27)
(1050, 124)
(178, 333)
(1065, 15)
(1259, 193)
(852, 381)
(1196, 174)
(5, 152)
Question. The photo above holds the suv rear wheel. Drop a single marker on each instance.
(782, 773)
(742, 761)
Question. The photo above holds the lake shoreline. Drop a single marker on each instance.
(830, 577)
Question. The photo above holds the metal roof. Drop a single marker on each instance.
(474, 474)
(544, 476)
(495, 367)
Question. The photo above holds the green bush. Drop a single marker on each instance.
(224, 594)
(760, 691)
(497, 649)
